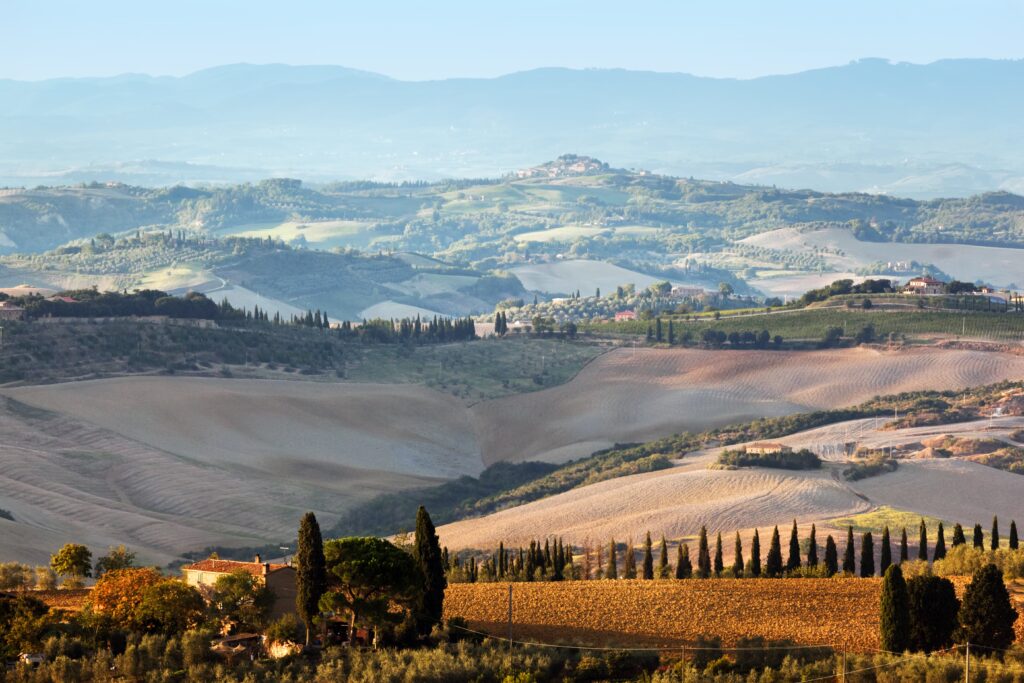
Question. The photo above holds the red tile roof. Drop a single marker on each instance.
(231, 566)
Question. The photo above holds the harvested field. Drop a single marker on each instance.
(568, 276)
(842, 613)
(167, 463)
(674, 502)
(635, 395)
(999, 265)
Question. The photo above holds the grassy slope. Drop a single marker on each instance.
(811, 324)
(48, 352)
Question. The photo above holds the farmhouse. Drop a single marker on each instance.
(280, 578)
(9, 311)
(625, 315)
(767, 448)
(926, 286)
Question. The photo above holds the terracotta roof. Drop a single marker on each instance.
(231, 566)
(926, 281)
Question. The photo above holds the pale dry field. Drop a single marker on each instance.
(999, 265)
(563, 277)
(166, 464)
(627, 396)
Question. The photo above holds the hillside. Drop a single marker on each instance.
(819, 128)
(262, 272)
(415, 415)
(574, 224)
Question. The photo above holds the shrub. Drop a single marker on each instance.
(792, 460)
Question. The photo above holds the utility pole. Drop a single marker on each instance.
(844, 666)
(967, 668)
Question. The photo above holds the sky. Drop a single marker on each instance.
(416, 40)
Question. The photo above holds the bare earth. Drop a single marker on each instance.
(168, 464)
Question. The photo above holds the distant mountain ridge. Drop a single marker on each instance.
(947, 128)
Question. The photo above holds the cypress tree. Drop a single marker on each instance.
(428, 556)
(922, 542)
(703, 555)
(630, 572)
(648, 559)
(867, 555)
(958, 535)
(719, 562)
(755, 555)
(987, 615)
(612, 572)
(1013, 535)
(310, 572)
(904, 549)
(979, 537)
(664, 570)
(812, 548)
(885, 558)
(895, 611)
(737, 560)
(995, 533)
(831, 556)
(933, 612)
(773, 563)
(849, 554)
(940, 544)
(793, 561)
(684, 569)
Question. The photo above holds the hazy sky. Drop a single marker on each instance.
(441, 39)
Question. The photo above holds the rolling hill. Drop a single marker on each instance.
(170, 464)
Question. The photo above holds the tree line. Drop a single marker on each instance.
(554, 560)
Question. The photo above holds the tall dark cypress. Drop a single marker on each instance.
(867, 555)
(922, 542)
(612, 572)
(648, 559)
(684, 568)
(755, 555)
(703, 555)
(904, 549)
(995, 533)
(428, 555)
(885, 557)
(958, 535)
(737, 557)
(850, 553)
(310, 572)
(793, 561)
(629, 571)
(773, 563)
(831, 556)
(664, 569)
(812, 548)
(940, 544)
(979, 537)
(895, 612)
(1013, 535)
(719, 561)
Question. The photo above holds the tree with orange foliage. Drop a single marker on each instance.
(118, 594)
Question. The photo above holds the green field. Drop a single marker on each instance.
(478, 370)
(811, 324)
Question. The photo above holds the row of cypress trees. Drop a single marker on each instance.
(542, 563)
